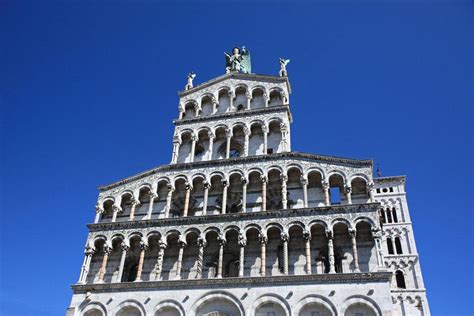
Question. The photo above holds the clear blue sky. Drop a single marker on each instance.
(88, 92)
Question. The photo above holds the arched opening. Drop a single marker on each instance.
(189, 110)
(336, 189)
(220, 143)
(315, 190)
(178, 198)
(366, 247)
(230, 263)
(184, 153)
(126, 206)
(93, 312)
(108, 211)
(234, 194)
(240, 100)
(342, 248)
(274, 192)
(276, 98)
(258, 99)
(218, 306)
(206, 105)
(190, 256)
(274, 137)
(168, 311)
(196, 198)
(252, 253)
(359, 309)
(398, 245)
(202, 146)
(254, 192)
(159, 204)
(394, 215)
(315, 309)
(295, 194)
(274, 252)
(296, 251)
(256, 139)
(319, 249)
(390, 246)
(113, 264)
(223, 101)
(389, 215)
(215, 195)
(96, 261)
(270, 309)
(359, 191)
(170, 258)
(130, 266)
(211, 255)
(144, 203)
(237, 142)
(151, 258)
(400, 278)
(129, 311)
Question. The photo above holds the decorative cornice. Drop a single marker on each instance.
(400, 179)
(239, 161)
(312, 279)
(234, 217)
(236, 75)
(244, 113)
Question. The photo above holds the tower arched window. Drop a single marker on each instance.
(394, 215)
(400, 278)
(390, 246)
(389, 215)
(398, 245)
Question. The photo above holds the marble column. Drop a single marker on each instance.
(242, 244)
(285, 238)
(248, 94)
(284, 192)
(264, 193)
(201, 241)
(327, 199)
(135, 202)
(307, 248)
(187, 195)
(194, 140)
(284, 136)
(377, 235)
(141, 260)
(267, 99)
(168, 201)
(348, 191)
(244, 194)
(98, 213)
(263, 253)
(231, 99)
(153, 196)
(115, 210)
(88, 253)
(207, 186)
(332, 263)
(225, 185)
(220, 261)
(265, 139)
(214, 106)
(103, 266)
(176, 144)
(162, 245)
(246, 141)
(355, 254)
(304, 184)
(211, 146)
(123, 255)
(181, 244)
(370, 189)
(181, 111)
(228, 135)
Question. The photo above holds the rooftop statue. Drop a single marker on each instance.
(191, 76)
(239, 61)
(283, 63)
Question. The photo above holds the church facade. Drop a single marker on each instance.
(239, 224)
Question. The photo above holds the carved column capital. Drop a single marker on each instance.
(201, 241)
(99, 209)
(244, 180)
(153, 195)
(285, 237)
(242, 240)
(263, 179)
(162, 244)
(221, 239)
(303, 180)
(188, 186)
(329, 234)
(225, 183)
(143, 245)
(347, 189)
(352, 232)
(306, 235)
(207, 185)
(263, 238)
(325, 184)
(124, 246)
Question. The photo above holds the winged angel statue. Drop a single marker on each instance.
(239, 61)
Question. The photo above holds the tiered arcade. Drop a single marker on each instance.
(238, 224)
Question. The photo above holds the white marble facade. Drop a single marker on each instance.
(239, 224)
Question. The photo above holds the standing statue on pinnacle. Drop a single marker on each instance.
(283, 63)
(239, 61)
(191, 76)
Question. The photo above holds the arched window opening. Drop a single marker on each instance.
(230, 262)
(398, 245)
(400, 278)
(336, 184)
(276, 98)
(390, 246)
(240, 100)
(93, 312)
(224, 101)
(389, 215)
(394, 215)
(129, 311)
(234, 194)
(258, 99)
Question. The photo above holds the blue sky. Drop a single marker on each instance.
(88, 92)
